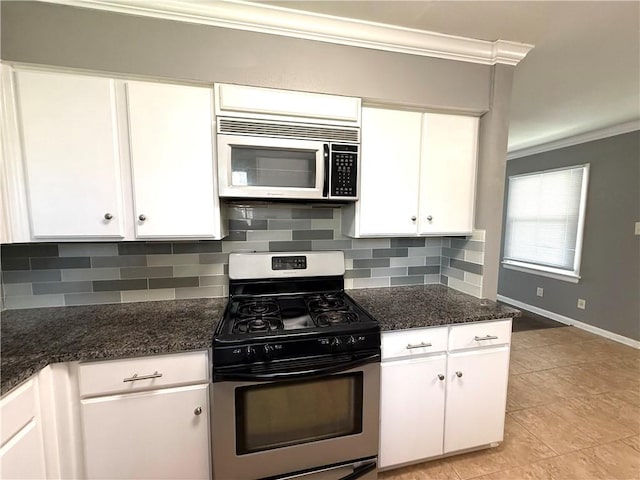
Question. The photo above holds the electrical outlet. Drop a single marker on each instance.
(637, 228)
(540, 291)
(582, 303)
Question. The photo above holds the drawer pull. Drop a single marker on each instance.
(487, 337)
(419, 345)
(135, 377)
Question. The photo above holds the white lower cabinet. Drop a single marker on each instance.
(476, 398)
(440, 397)
(411, 430)
(22, 453)
(140, 420)
(156, 434)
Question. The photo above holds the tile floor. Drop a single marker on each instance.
(573, 412)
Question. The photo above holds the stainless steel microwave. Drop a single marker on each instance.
(264, 159)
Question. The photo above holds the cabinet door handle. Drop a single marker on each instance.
(440, 377)
(108, 216)
(197, 411)
(413, 218)
(137, 377)
(142, 217)
(429, 218)
(419, 345)
(486, 337)
(458, 374)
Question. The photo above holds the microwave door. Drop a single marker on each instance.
(264, 167)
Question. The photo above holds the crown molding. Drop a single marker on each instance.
(274, 20)
(576, 139)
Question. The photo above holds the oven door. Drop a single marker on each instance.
(264, 429)
(265, 167)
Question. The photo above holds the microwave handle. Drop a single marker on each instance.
(325, 189)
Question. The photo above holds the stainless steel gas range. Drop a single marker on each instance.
(296, 373)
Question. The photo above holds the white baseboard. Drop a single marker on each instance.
(570, 321)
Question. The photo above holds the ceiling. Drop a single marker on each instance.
(583, 74)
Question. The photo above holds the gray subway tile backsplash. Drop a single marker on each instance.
(19, 263)
(50, 263)
(173, 282)
(114, 285)
(46, 288)
(312, 235)
(143, 248)
(86, 273)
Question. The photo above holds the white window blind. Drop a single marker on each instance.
(545, 217)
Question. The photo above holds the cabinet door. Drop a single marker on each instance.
(172, 160)
(71, 155)
(151, 435)
(411, 410)
(476, 400)
(23, 455)
(448, 174)
(390, 161)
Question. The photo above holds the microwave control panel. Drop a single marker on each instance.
(344, 171)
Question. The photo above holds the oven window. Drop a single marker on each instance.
(270, 167)
(290, 413)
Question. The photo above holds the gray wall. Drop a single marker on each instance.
(41, 33)
(610, 268)
(48, 34)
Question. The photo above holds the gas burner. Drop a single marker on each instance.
(337, 317)
(325, 303)
(257, 324)
(258, 308)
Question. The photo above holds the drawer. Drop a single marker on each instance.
(143, 373)
(414, 342)
(480, 334)
(17, 409)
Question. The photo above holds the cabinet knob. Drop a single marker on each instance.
(142, 217)
(458, 374)
(429, 218)
(440, 377)
(108, 216)
(413, 218)
(197, 411)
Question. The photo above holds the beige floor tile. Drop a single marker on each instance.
(434, 470)
(519, 448)
(533, 471)
(565, 335)
(530, 360)
(528, 339)
(613, 461)
(604, 417)
(597, 377)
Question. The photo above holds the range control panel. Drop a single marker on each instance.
(344, 170)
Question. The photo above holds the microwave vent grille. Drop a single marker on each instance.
(292, 130)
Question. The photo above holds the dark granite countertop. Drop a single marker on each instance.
(33, 338)
(399, 308)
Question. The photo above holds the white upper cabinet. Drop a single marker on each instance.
(448, 174)
(102, 159)
(418, 175)
(71, 155)
(390, 160)
(172, 161)
(270, 103)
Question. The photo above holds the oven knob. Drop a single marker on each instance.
(336, 343)
(250, 354)
(351, 340)
(268, 351)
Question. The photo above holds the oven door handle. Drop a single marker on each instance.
(361, 470)
(297, 374)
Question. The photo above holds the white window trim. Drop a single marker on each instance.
(551, 272)
(542, 270)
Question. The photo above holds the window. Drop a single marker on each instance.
(545, 219)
